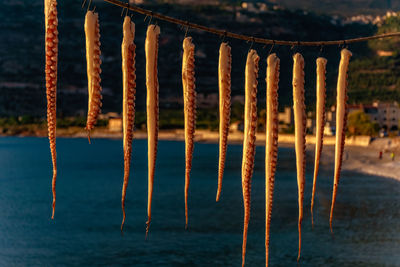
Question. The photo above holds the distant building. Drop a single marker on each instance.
(136, 2)
(109, 115)
(384, 53)
(386, 114)
(286, 117)
(238, 99)
(115, 124)
(236, 126)
(207, 100)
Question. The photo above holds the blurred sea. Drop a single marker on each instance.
(86, 229)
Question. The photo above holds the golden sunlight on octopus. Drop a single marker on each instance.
(92, 32)
(151, 48)
(341, 120)
(189, 98)
(320, 121)
(300, 132)
(224, 77)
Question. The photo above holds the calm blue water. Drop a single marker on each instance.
(86, 231)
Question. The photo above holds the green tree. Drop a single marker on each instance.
(360, 123)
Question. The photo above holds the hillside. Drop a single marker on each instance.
(21, 56)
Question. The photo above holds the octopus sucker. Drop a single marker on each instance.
(249, 149)
(128, 107)
(189, 102)
(93, 61)
(341, 120)
(151, 49)
(271, 141)
(224, 82)
(320, 121)
(51, 51)
(300, 133)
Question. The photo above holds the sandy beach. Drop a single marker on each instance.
(361, 152)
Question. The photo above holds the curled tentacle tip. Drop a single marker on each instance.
(122, 226)
(312, 220)
(88, 135)
(53, 210)
(147, 230)
(123, 220)
(298, 257)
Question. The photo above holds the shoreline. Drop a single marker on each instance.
(361, 152)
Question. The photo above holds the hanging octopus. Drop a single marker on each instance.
(151, 48)
(92, 32)
(341, 120)
(249, 150)
(224, 78)
(128, 107)
(271, 141)
(300, 132)
(51, 47)
(321, 95)
(189, 99)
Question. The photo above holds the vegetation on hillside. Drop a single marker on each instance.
(359, 123)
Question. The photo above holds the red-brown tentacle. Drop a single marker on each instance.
(129, 95)
(271, 139)
(224, 76)
(94, 79)
(250, 125)
(51, 47)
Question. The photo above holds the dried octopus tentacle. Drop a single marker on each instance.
(189, 98)
(224, 77)
(271, 141)
(321, 96)
(300, 132)
(128, 108)
(250, 124)
(92, 32)
(341, 120)
(151, 48)
(51, 47)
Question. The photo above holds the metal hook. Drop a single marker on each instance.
(252, 42)
(272, 47)
(125, 8)
(151, 17)
(83, 3)
(320, 50)
(294, 45)
(90, 1)
(187, 28)
(224, 36)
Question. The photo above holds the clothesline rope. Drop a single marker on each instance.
(247, 38)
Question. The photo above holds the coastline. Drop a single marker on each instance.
(361, 152)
